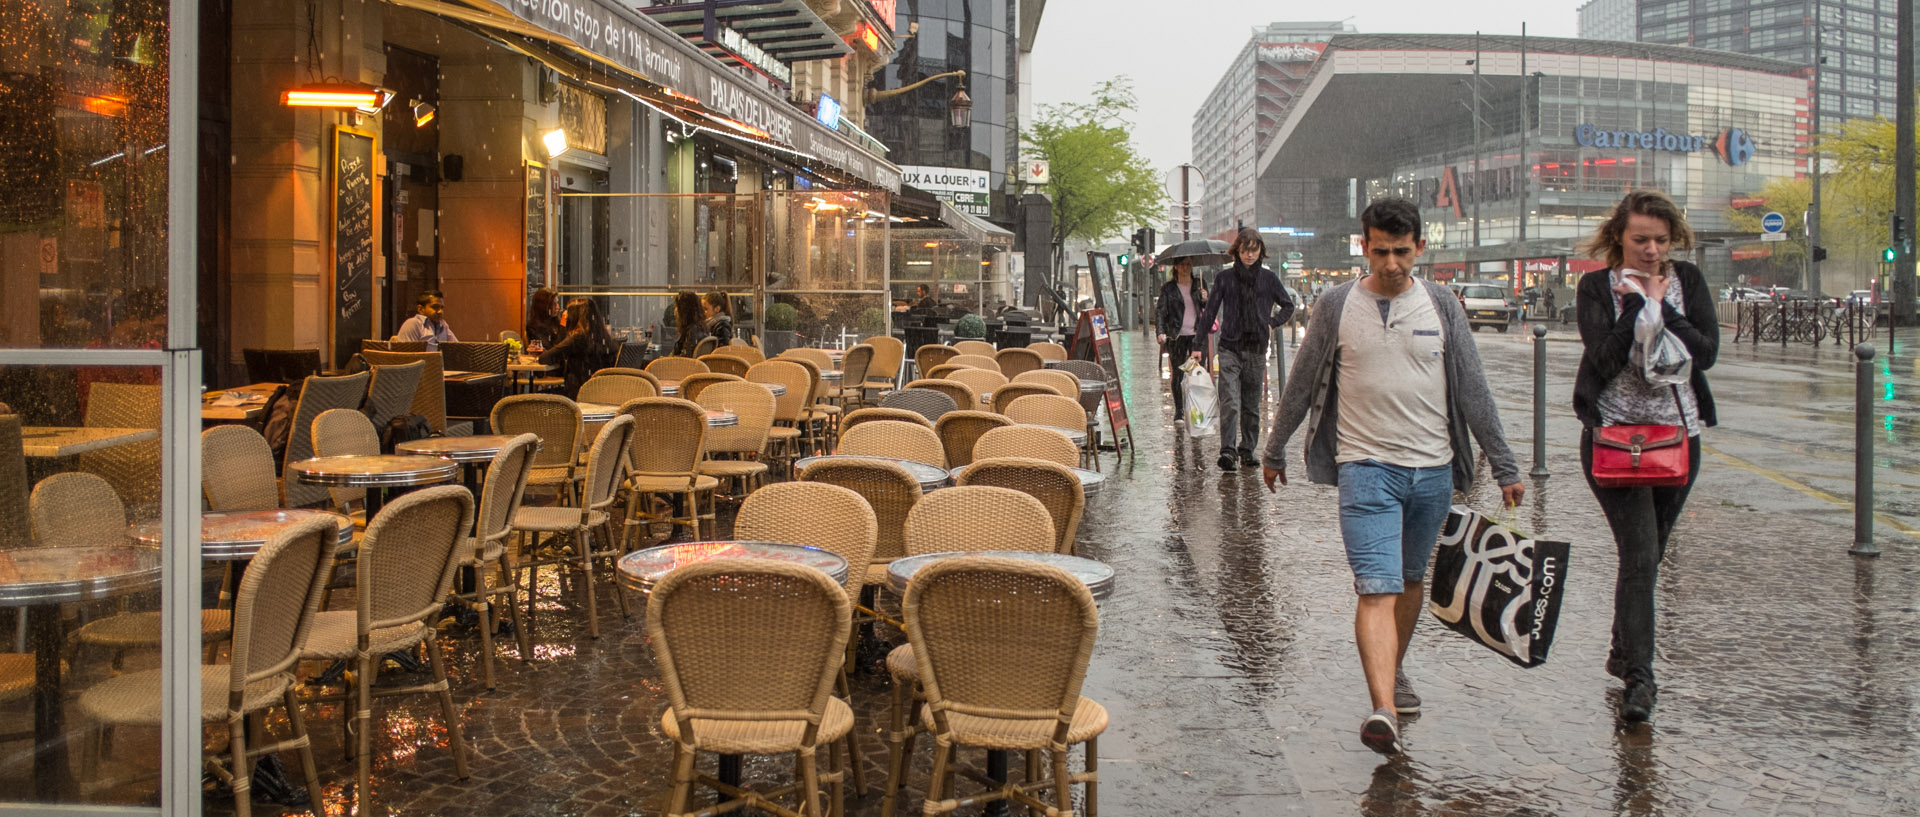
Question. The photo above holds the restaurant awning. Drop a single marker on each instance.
(787, 30)
(975, 228)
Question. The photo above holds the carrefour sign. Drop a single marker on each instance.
(1732, 145)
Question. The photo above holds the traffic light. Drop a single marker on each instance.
(1896, 235)
(1124, 260)
(1890, 254)
(1819, 254)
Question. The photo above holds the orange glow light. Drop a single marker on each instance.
(931, 244)
(104, 105)
(868, 37)
(331, 95)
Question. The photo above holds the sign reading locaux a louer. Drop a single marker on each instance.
(967, 190)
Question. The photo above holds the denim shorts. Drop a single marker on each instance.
(1390, 518)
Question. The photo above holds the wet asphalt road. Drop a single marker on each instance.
(1790, 683)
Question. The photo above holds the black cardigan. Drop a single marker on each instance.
(1170, 312)
(1609, 339)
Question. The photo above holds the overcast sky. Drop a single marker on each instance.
(1176, 51)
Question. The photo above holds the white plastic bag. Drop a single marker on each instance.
(1203, 408)
(1662, 359)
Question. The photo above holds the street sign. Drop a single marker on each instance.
(1773, 222)
(1773, 236)
(1038, 171)
(1295, 255)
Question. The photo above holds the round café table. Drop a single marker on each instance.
(669, 388)
(37, 581)
(832, 374)
(376, 473)
(236, 536)
(1089, 480)
(930, 477)
(474, 453)
(642, 569)
(601, 412)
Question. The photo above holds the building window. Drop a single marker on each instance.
(1670, 32)
(1860, 106)
(1769, 15)
(1716, 24)
(1657, 12)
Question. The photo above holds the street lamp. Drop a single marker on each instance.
(959, 108)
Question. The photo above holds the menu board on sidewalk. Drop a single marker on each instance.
(1093, 341)
(353, 177)
(536, 224)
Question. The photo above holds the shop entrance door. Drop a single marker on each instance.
(584, 230)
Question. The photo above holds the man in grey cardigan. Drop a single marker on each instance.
(1389, 384)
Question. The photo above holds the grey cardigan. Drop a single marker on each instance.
(1313, 392)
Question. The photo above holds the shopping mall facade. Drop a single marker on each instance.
(1518, 172)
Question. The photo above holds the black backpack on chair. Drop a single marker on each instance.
(405, 428)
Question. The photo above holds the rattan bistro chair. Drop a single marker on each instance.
(643, 374)
(1062, 381)
(493, 562)
(1002, 648)
(890, 491)
(1027, 441)
(889, 354)
(320, 394)
(726, 364)
(963, 395)
(748, 652)
(925, 402)
(980, 380)
(343, 432)
(960, 430)
(930, 355)
(571, 542)
(974, 347)
(674, 368)
(894, 439)
(556, 421)
(867, 415)
(669, 438)
(943, 521)
(236, 471)
(273, 614)
(1056, 411)
(693, 384)
(854, 365)
(742, 446)
(1014, 391)
(133, 469)
(741, 351)
(1015, 362)
(788, 408)
(390, 393)
(1055, 485)
(406, 566)
(616, 389)
(1049, 351)
(430, 396)
(976, 361)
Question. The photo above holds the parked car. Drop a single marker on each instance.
(1488, 305)
(1861, 296)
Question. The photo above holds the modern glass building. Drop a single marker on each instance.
(937, 37)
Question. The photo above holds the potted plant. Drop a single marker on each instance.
(970, 327)
(782, 320)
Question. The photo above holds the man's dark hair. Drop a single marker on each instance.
(1395, 217)
(428, 296)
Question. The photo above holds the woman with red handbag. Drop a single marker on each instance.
(1640, 443)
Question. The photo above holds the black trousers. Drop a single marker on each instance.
(1178, 350)
(1642, 519)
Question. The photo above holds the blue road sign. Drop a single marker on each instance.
(1773, 222)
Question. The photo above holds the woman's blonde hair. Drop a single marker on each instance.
(1608, 242)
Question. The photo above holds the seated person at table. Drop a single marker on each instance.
(543, 321)
(428, 323)
(923, 298)
(719, 317)
(586, 348)
(690, 317)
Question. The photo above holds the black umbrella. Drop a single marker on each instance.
(1198, 251)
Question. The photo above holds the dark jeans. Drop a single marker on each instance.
(1178, 350)
(1641, 519)
(1243, 379)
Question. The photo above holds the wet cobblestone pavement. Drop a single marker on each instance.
(1790, 671)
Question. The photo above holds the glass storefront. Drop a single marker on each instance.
(935, 37)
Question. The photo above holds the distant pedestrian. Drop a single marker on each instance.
(1182, 298)
(1249, 301)
(719, 317)
(1389, 384)
(1607, 390)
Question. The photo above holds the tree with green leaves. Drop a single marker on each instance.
(1100, 185)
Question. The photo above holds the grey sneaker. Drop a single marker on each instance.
(1405, 700)
(1380, 732)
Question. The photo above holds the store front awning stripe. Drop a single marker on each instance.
(747, 17)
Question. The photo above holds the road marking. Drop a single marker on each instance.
(1803, 488)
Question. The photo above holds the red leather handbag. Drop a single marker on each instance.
(1631, 456)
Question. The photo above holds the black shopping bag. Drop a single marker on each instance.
(1497, 586)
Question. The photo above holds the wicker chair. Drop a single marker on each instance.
(1046, 410)
(390, 393)
(13, 486)
(616, 389)
(814, 514)
(133, 469)
(788, 408)
(820, 358)
(706, 346)
(405, 574)
(748, 653)
(959, 430)
(889, 353)
(274, 612)
(980, 380)
(693, 384)
(606, 468)
(925, 402)
(488, 551)
(727, 364)
(949, 520)
(964, 397)
(474, 400)
(280, 365)
(1005, 395)
(904, 441)
(1015, 362)
(985, 361)
(674, 368)
(854, 365)
(944, 371)
(930, 355)
(319, 395)
(746, 441)
(1062, 381)
(430, 400)
(236, 470)
(669, 438)
(818, 420)
(1053, 483)
(1002, 648)
(556, 421)
(974, 347)
(405, 346)
(631, 355)
(867, 415)
(1049, 351)
(643, 374)
(889, 490)
(1027, 441)
(343, 432)
(742, 351)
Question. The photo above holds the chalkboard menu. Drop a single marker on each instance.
(536, 224)
(353, 172)
(1106, 294)
(1093, 340)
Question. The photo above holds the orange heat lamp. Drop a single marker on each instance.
(333, 95)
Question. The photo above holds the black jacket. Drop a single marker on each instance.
(1609, 338)
(1172, 309)
(579, 356)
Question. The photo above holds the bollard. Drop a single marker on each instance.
(1539, 401)
(1863, 454)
